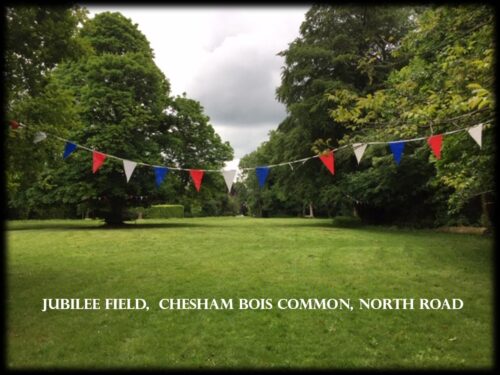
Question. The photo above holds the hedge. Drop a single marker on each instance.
(164, 211)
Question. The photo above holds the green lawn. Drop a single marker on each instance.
(245, 258)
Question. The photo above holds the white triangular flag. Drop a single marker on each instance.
(359, 150)
(476, 132)
(129, 167)
(229, 178)
(39, 136)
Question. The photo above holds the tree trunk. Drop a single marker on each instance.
(485, 212)
(311, 213)
(115, 214)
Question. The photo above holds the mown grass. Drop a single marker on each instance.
(245, 258)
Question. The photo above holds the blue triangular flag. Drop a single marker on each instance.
(160, 173)
(397, 150)
(262, 173)
(68, 150)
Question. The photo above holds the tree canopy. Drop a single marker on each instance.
(360, 74)
(118, 102)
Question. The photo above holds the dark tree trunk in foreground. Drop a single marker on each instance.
(114, 216)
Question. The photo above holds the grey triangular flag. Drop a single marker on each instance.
(359, 150)
(229, 178)
(129, 167)
(39, 136)
(476, 132)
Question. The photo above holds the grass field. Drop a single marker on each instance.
(245, 258)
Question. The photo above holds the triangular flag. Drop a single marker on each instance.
(97, 160)
(262, 173)
(39, 136)
(13, 124)
(328, 160)
(359, 150)
(129, 167)
(197, 176)
(229, 178)
(435, 142)
(68, 149)
(476, 132)
(397, 150)
(160, 173)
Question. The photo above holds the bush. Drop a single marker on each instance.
(346, 222)
(164, 211)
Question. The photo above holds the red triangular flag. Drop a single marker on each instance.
(197, 176)
(328, 160)
(435, 143)
(98, 159)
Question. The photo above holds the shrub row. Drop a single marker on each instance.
(161, 211)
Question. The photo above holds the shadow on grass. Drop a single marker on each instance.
(60, 226)
(305, 225)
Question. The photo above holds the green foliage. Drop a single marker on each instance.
(338, 47)
(38, 39)
(120, 99)
(124, 37)
(449, 75)
(114, 99)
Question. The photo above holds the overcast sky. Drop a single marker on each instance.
(224, 57)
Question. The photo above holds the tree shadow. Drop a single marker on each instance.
(103, 226)
(325, 224)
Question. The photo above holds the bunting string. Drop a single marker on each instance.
(434, 141)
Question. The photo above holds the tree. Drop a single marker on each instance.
(188, 140)
(122, 101)
(446, 84)
(338, 47)
(37, 40)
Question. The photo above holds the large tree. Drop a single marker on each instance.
(447, 84)
(37, 40)
(123, 103)
(188, 140)
(338, 47)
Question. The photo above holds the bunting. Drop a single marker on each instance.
(160, 174)
(262, 173)
(97, 160)
(69, 149)
(397, 150)
(229, 178)
(329, 161)
(435, 143)
(39, 136)
(197, 176)
(129, 167)
(359, 150)
(476, 132)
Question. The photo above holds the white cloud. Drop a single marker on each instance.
(225, 57)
